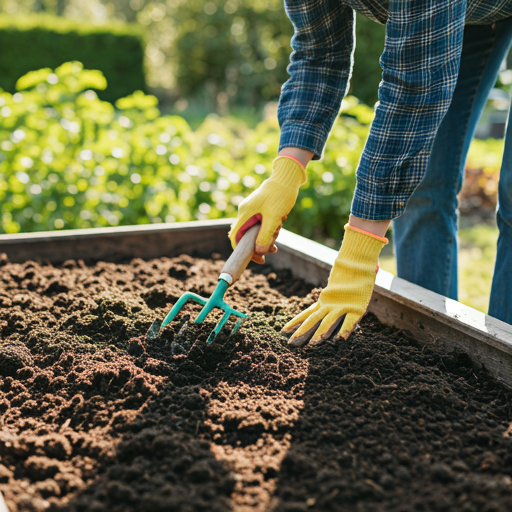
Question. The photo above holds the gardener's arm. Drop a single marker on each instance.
(420, 67)
(319, 69)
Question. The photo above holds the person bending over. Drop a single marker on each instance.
(436, 53)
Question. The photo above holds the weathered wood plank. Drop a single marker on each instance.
(119, 243)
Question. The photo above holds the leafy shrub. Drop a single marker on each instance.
(238, 48)
(70, 160)
(31, 42)
(323, 205)
(479, 194)
(367, 72)
(241, 50)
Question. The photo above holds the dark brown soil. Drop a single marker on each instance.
(93, 418)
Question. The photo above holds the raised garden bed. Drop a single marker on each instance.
(94, 418)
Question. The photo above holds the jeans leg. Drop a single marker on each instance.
(500, 304)
(426, 235)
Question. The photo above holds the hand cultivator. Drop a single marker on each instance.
(230, 273)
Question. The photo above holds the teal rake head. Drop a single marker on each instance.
(215, 301)
(230, 273)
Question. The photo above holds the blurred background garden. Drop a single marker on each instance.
(119, 112)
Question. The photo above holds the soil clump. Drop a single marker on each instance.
(95, 418)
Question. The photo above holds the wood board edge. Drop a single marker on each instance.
(118, 243)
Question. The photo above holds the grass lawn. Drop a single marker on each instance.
(477, 251)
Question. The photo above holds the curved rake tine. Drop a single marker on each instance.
(157, 326)
(154, 330)
(181, 302)
(219, 326)
(239, 322)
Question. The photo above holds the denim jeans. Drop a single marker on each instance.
(426, 235)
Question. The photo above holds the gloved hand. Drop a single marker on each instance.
(348, 291)
(269, 204)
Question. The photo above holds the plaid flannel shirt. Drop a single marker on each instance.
(420, 65)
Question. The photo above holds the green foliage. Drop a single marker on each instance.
(367, 72)
(323, 205)
(486, 155)
(242, 49)
(30, 42)
(70, 160)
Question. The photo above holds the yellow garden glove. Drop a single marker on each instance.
(347, 293)
(269, 204)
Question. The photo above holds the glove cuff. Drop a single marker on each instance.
(360, 246)
(288, 172)
(377, 237)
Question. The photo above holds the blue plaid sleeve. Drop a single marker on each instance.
(320, 67)
(420, 66)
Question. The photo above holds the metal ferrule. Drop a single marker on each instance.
(226, 277)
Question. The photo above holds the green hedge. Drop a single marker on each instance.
(33, 42)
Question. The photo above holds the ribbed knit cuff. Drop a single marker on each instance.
(353, 228)
(288, 172)
(360, 247)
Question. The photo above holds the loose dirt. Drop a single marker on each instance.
(94, 418)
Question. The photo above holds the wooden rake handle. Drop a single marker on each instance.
(242, 254)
